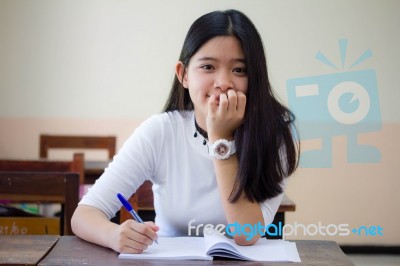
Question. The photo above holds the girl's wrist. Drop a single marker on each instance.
(214, 137)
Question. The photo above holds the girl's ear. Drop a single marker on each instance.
(181, 74)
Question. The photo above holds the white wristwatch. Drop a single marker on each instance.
(222, 149)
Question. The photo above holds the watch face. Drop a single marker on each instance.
(222, 149)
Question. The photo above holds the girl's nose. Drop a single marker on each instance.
(223, 82)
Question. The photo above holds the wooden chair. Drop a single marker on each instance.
(84, 142)
(43, 187)
(108, 143)
(77, 142)
(74, 166)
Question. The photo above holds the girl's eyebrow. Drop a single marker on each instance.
(209, 58)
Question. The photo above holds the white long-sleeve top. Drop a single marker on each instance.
(163, 149)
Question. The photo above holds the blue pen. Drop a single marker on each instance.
(129, 208)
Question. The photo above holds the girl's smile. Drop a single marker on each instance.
(218, 66)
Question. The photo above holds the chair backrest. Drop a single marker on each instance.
(77, 142)
(74, 166)
(43, 187)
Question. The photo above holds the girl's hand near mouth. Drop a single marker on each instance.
(225, 114)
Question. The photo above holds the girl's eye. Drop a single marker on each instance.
(241, 70)
(207, 67)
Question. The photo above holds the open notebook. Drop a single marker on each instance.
(212, 245)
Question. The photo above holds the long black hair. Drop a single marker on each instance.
(266, 147)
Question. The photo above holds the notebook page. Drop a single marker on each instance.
(262, 250)
(173, 248)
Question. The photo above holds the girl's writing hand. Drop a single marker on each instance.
(133, 237)
(225, 114)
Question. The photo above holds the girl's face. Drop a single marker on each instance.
(218, 66)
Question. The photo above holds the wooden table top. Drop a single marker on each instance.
(25, 250)
(70, 250)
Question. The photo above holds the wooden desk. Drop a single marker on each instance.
(25, 250)
(70, 250)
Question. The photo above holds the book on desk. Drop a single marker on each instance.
(217, 245)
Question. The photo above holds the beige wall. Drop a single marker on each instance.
(101, 67)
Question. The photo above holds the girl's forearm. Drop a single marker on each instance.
(92, 225)
(242, 211)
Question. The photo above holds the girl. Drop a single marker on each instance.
(218, 154)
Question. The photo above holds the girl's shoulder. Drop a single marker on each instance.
(168, 120)
(172, 117)
(176, 116)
